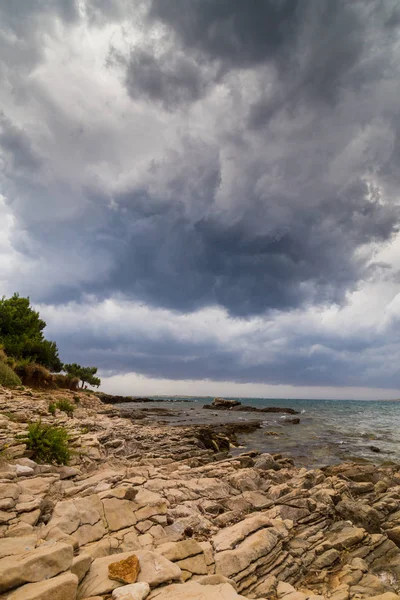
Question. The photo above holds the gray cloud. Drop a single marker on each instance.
(229, 153)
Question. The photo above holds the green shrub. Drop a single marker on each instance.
(48, 444)
(7, 376)
(52, 408)
(66, 406)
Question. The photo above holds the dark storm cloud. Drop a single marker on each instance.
(171, 78)
(239, 153)
(184, 265)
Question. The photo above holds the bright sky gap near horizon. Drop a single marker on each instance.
(202, 197)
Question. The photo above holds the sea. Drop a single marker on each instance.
(329, 432)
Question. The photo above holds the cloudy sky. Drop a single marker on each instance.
(202, 196)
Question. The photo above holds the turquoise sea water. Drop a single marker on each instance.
(330, 431)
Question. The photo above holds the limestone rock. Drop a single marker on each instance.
(394, 535)
(17, 545)
(135, 591)
(228, 538)
(231, 562)
(33, 566)
(265, 462)
(360, 514)
(125, 571)
(119, 513)
(154, 570)
(81, 565)
(195, 591)
(62, 587)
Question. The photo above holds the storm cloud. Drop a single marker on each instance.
(206, 155)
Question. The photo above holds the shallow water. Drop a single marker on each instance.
(330, 431)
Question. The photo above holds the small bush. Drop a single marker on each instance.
(7, 376)
(48, 444)
(34, 375)
(52, 408)
(66, 406)
(77, 398)
(66, 382)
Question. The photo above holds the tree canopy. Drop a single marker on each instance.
(85, 374)
(21, 333)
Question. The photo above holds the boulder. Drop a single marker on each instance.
(62, 587)
(35, 565)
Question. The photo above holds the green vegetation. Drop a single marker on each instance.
(26, 357)
(8, 378)
(21, 334)
(66, 406)
(52, 408)
(48, 444)
(85, 374)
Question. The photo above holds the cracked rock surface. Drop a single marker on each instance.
(201, 523)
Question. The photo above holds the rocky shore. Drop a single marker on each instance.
(150, 511)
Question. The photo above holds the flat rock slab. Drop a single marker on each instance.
(35, 565)
(134, 591)
(194, 591)
(62, 587)
(17, 545)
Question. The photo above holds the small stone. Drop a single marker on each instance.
(134, 591)
(27, 462)
(23, 471)
(125, 571)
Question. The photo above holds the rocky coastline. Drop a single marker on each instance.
(150, 511)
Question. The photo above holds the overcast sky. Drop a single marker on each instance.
(202, 196)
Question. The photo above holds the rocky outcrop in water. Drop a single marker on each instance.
(201, 524)
(235, 405)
